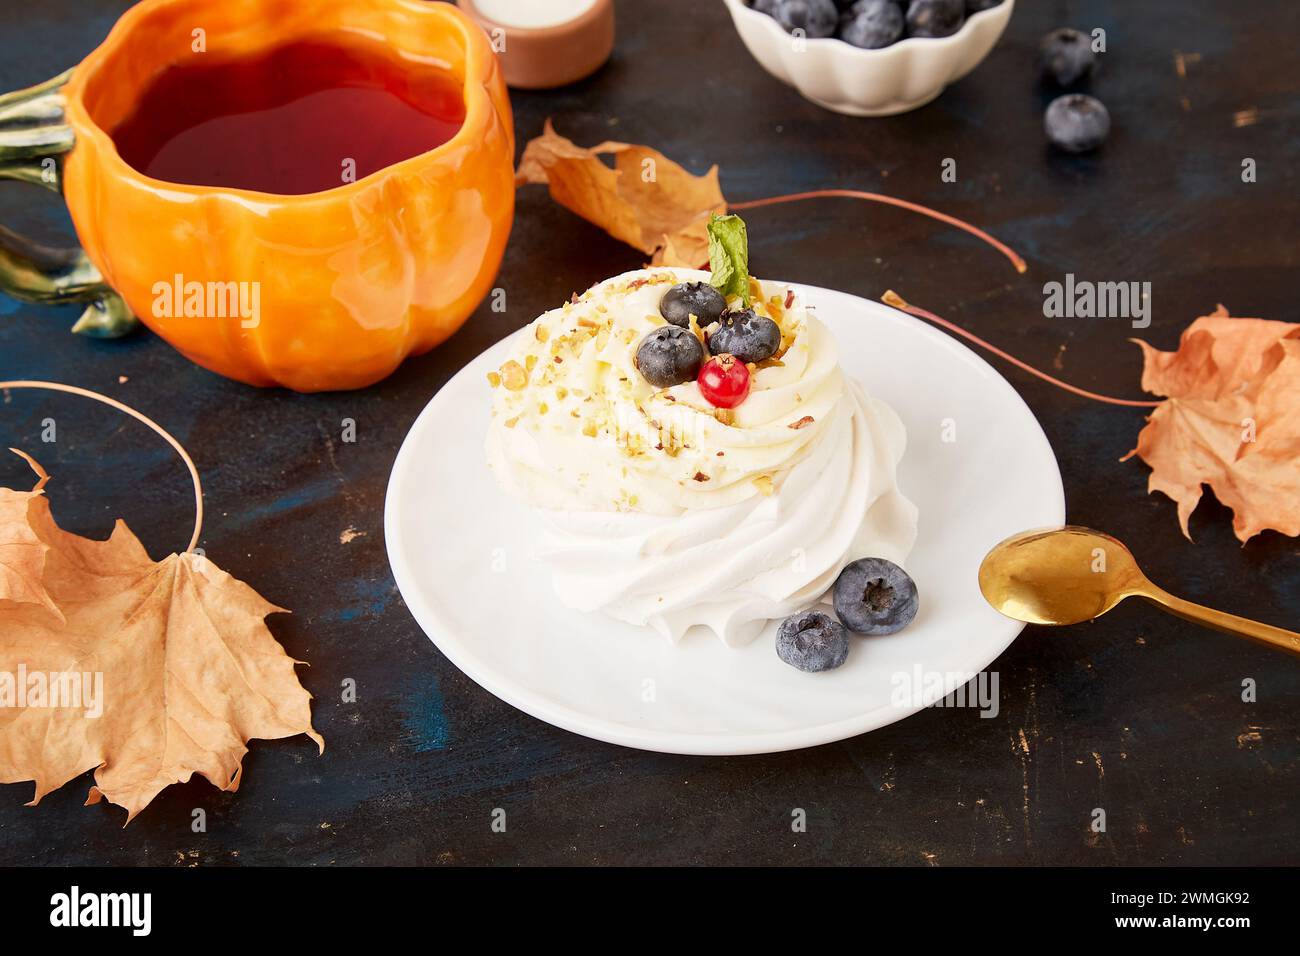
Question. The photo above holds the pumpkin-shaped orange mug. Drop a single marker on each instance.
(320, 290)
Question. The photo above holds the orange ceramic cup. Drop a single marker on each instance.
(351, 280)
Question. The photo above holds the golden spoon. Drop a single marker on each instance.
(1072, 574)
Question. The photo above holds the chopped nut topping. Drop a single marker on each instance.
(698, 332)
(529, 362)
(764, 485)
(494, 379)
(511, 422)
(541, 333)
(701, 476)
(802, 423)
(513, 375)
(726, 416)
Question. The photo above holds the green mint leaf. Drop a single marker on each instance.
(729, 256)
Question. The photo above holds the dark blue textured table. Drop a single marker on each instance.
(1137, 714)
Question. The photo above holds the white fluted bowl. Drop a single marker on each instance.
(847, 79)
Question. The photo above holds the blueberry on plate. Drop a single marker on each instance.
(975, 6)
(935, 18)
(692, 298)
(1076, 123)
(1065, 56)
(747, 335)
(872, 24)
(669, 356)
(812, 641)
(875, 596)
(816, 18)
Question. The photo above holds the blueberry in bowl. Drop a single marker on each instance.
(816, 18)
(935, 18)
(872, 24)
(881, 57)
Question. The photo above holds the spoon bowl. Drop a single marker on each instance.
(1060, 576)
(1070, 575)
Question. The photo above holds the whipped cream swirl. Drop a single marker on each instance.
(661, 510)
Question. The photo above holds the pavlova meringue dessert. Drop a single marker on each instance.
(696, 455)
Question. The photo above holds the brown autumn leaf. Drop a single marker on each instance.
(1231, 420)
(646, 200)
(175, 654)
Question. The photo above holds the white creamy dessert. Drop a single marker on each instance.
(660, 509)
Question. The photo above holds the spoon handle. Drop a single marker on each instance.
(1222, 621)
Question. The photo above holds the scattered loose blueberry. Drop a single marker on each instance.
(1076, 123)
(872, 24)
(875, 596)
(747, 335)
(935, 18)
(812, 642)
(1066, 56)
(692, 298)
(669, 356)
(816, 18)
(975, 6)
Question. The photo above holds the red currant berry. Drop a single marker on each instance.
(724, 381)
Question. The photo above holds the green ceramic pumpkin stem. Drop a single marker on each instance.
(33, 138)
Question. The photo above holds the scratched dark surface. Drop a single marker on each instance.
(1137, 714)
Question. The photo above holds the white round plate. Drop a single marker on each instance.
(977, 465)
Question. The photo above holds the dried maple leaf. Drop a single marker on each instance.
(646, 200)
(1231, 420)
(177, 652)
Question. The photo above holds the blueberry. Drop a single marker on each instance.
(1076, 123)
(935, 18)
(875, 596)
(975, 6)
(747, 335)
(1066, 56)
(872, 24)
(692, 298)
(669, 356)
(812, 641)
(816, 18)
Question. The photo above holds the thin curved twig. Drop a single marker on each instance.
(138, 416)
(975, 231)
(892, 298)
